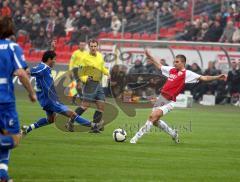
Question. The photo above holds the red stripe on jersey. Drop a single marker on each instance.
(174, 85)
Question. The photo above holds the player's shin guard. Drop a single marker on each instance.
(40, 123)
(97, 117)
(144, 129)
(4, 158)
(80, 111)
(6, 142)
(161, 124)
(82, 121)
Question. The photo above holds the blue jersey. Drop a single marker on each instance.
(45, 89)
(11, 59)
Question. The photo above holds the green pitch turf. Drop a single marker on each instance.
(209, 149)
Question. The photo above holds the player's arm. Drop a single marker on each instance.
(20, 66)
(24, 79)
(154, 60)
(212, 78)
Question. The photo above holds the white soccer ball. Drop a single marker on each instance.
(119, 135)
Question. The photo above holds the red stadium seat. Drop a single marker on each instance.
(102, 35)
(145, 36)
(137, 36)
(153, 36)
(117, 35)
(127, 35)
(74, 48)
(27, 46)
(66, 48)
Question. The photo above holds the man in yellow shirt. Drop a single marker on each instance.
(91, 73)
(74, 65)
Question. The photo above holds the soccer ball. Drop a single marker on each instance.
(119, 135)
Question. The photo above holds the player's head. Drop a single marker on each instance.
(180, 61)
(6, 27)
(49, 58)
(93, 46)
(82, 45)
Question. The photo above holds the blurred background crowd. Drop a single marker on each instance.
(76, 20)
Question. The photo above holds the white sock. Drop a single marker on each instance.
(166, 128)
(144, 129)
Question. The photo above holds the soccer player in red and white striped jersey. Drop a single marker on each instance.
(177, 76)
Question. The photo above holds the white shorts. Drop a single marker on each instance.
(163, 104)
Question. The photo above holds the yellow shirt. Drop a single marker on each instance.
(93, 66)
(76, 59)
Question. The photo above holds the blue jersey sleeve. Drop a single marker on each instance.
(18, 57)
(38, 70)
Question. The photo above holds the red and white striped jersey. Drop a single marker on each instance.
(176, 81)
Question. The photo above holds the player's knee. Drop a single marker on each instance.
(155, 116)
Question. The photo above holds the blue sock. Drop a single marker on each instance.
(4, 158)
(82, 121)
(6, 142)
(41, 122)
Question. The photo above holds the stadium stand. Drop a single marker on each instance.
(38, 23)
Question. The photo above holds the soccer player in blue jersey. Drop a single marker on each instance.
(47, 96)
(12, 63)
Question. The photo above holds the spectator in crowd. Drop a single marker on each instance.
(209, 88)
(58, 29)
(233, 82)
(33, 33)
(94, 28)
(236, 36)
(69, 23)
(201, 36)
(5, 10)
(228, 33)
(41, 41)
(75, 36)
(35, 16)
(134, 78)
(117, 80)
(214, 32)
(115, 25)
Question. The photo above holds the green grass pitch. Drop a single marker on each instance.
(209, 149)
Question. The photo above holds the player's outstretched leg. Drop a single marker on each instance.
(76, 118)
(164, 126)
(154, 117)
(40, 123)
(144, 129)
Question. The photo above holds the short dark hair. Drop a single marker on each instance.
(6, 27)
(182, 57)
(48, 55)
(92, 41)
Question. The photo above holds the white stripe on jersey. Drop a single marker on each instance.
(45, 66)
(15, 56)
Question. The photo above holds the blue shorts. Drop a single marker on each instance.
(9, 118)
(93, 92)
(55, 107)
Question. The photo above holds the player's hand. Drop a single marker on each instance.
(32, 97)
(79, 85)
(222, 77)
(147, 53)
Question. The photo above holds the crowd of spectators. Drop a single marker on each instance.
(43, 20)
(223, 26)
(85, 18)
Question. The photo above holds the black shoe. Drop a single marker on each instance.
(69, 126)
